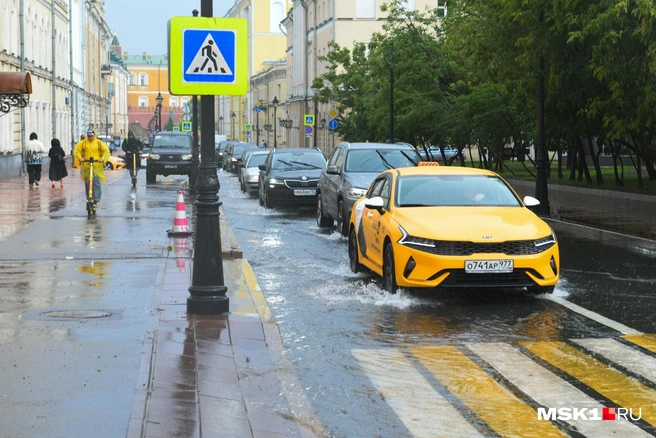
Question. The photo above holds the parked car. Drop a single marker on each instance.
(289, 177)
(220, 150)
(170, 154)
(249, 171)
(114, 163)
(351, 169)
(434, 153)
(451, 227)
(233, 153)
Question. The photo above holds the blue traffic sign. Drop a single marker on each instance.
(257, 109)
(332, 124)
(186, 126)
(209, 56)
(308, 129)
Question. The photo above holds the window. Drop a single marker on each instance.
(277, 15)
(173, 102)
(143, 79)
(408, 5)
(184, 101)
(143, 101)
(133, 79)
(441, 9)
(365, 9)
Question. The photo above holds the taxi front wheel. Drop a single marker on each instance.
(389, 273)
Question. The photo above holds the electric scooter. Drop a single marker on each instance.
(134, 170)
(91, 206)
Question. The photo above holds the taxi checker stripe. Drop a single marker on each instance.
(422, 410)
(491, 402)
(607, 381)
(549, 390)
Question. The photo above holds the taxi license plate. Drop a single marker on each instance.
(306, 192)
(488, 266)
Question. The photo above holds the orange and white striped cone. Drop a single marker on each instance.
(180, 224)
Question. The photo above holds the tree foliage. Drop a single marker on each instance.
(470, 78)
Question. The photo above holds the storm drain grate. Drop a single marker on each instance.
(77, 314)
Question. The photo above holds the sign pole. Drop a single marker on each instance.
(207, 290)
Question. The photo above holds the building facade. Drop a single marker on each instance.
(266, 70)
(41, 38)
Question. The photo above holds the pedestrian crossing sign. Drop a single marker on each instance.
(208, 56)
(309, 120)
(186, 126)
(176, 129)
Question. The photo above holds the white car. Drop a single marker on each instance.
(249, 172)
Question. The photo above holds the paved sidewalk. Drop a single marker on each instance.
(216, 376)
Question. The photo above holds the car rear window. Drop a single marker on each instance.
(172, 141)
(379, 160)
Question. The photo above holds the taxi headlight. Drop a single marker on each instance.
(409, 240)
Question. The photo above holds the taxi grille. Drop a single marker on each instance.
(513, 247)
(296, 183)
(459, 278)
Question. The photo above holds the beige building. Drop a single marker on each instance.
(310, 26)
(41, 38)
(266, 64)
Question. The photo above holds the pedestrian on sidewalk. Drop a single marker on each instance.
(57, 170)
(33, 151)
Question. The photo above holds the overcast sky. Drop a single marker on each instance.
(141, 24)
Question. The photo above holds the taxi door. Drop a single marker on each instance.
(373, 221)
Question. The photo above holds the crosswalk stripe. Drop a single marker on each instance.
(623, 355)
(424, 412)
(645, 341)
(495, 405)
(593, 315)
(607, 381)
(548, 389)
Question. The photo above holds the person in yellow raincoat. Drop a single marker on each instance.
(83, 151)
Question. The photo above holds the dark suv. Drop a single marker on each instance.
(289, 176)
(170, 154)
(352, 167)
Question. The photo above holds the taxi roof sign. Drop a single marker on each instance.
(208, 56)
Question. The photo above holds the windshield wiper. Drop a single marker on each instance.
(385, 162)
(409, 158)
(307, 164)
(286, 162)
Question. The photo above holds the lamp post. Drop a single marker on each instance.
(275, 105)
(159, 99)
(221, 125)
(232, 129)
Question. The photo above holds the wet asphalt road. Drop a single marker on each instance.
(327, 314)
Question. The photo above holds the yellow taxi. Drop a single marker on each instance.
(114, 163)
(451, 227)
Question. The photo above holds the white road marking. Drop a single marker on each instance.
(548, 389)
(594, 316)
(622, 355)
(422, 409)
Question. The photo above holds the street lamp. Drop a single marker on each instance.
(232, 130)
(275, 105)
(221, 125)
(323, 123)
(159, 99)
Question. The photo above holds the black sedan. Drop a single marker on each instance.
(290, 176)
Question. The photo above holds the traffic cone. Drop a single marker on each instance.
(180, 224)
(180, 245)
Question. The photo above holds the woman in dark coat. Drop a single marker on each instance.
(57, 170)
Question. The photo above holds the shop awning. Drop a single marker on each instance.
(15, 90)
